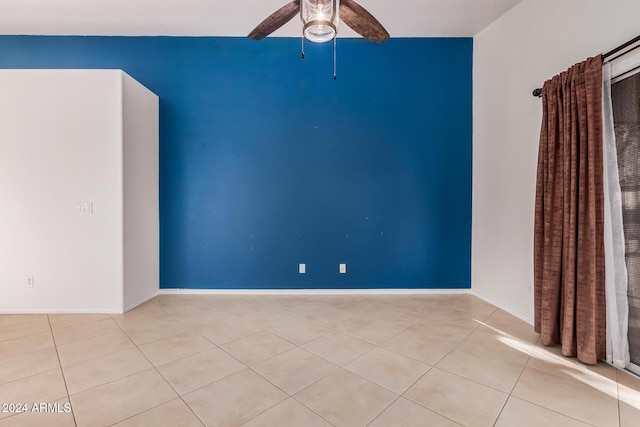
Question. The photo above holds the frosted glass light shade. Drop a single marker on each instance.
(320, 19)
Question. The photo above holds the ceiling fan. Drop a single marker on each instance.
(320, 18)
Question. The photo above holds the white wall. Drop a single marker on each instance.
(531, 43)
(141, 219)
(61, 143)
(60, 134)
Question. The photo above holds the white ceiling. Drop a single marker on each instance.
(402, 18)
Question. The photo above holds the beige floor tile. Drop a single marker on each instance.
(482, 367)
(46, 387)
(145, 331)
(85, 331)
(257, 347)
(79, 351)
(174, 413)
(414, 305)
(224, 330)
(418, 346)
(337, 347)
(234, 400)
(395, 317)
(364, 305)
(345, 399)
(288, 302)
(388, 369)
(332, 318)
(180, 303)
(25, 365)
(629, 392)
(122, 399)
(288, 413)
(266, 314)
(134, 322)
(144, 318)
(35, 325)
(269, 316)
(294, 328)
(65, 320)
(371, 330)
(14, 319)
(408, 414)
(168, 300)
(520, 413)
(198, 315)
(456, 398)
(550, 359)
(456, 317)
(473, 304)
(176, 347)
(146, 306)
(492, 341)
(593, 405)
(104, 369)
(442, 330)
(17, 346)
(52, 414)
(629, 415)
(294, 370)
(479, 351)
(198, 370)
(511, 325)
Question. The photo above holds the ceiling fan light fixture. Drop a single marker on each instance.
(320, 19)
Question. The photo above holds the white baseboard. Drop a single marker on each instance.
(60, 310)
(503, 308)
(389, 291)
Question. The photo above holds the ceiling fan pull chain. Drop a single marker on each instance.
(302, 44)
(335, 75)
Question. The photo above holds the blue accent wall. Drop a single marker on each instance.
(267, 162)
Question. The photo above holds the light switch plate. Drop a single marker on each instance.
(85, 208)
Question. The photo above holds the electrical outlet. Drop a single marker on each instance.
(343, 268)
(30, 281)
(302, 268)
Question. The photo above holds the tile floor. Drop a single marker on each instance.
(257, 361)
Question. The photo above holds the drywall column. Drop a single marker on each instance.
(141, 220)
(61, 191)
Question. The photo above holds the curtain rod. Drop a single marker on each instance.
(538, 92)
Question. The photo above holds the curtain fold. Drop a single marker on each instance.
(569, 269)
(615, 262)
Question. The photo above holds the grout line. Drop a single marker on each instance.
(226, 376)
(15, 356)
(162, 376)
(551, 410)
(398, 396)
(311, 409)
(25, 335)
(538, 405)
(64, 378)
(100, 355)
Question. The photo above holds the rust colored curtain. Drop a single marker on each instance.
(569, 275)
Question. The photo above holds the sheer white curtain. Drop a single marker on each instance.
(616, 270)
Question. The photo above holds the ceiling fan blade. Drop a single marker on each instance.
(276, 20)
(362, 22)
